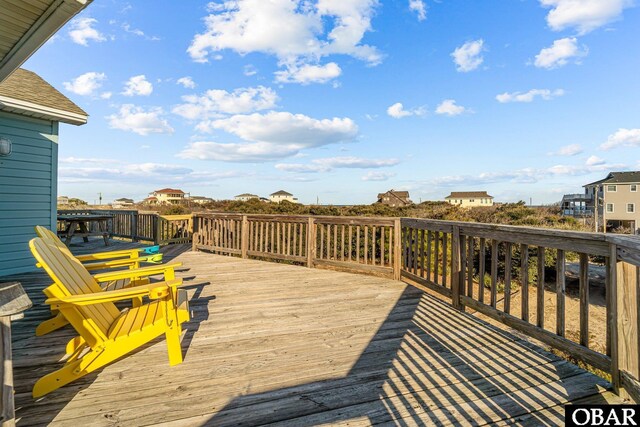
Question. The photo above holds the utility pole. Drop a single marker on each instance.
(99, 198)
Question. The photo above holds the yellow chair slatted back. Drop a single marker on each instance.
(46, 234)
(72, 278)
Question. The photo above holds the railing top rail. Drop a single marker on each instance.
(321, 218)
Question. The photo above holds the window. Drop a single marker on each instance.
(631, 207)
(609, 207)
(471, 200)
(612, 188)
(633, 188)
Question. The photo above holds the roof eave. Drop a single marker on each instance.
(30, 109)
(56, 15)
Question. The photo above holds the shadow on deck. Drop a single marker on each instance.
(273, 343)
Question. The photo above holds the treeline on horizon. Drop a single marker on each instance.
(507, 213)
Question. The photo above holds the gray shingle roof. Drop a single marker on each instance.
(618, 178)
(24, 85)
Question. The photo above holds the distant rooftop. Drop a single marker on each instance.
(468, 194)
(169, 190)
(619, 178)
(281, 193)
(247, 195)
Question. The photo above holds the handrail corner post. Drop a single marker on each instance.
(397, 249)
(613, 319)
(194, 232)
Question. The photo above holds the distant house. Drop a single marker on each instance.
(200, 200)
(577, 205)
(468, 199)
(151, 200)
(616, 199)
(122, 203)
(168, 196)
(280, 196)
(245, 197)
(395, 198)
(62, 200)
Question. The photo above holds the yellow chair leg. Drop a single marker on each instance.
(173, 346)
(51, 325)
(136, 302)
(74, 344)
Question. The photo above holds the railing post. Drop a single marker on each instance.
(612, 317)
(397, 249)
(456, 268)
(134, 226)
(156, 229)
(244, 237)
(194, 231)
(311, 241)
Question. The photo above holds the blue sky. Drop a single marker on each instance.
(339, 100)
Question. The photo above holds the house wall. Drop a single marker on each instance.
(619, 199)
(471, 202)
(28, 187)
(280, 198)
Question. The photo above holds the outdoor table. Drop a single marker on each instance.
(79, 225)
(13, 301)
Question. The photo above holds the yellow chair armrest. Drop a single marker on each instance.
(153, 290)
(138, 272)
(109, 255)
(125, 262)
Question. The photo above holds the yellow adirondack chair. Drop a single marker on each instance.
(128, 258)
(105, 333)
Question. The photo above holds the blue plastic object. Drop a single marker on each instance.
(151, 250)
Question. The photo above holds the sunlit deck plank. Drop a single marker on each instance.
(273, 343)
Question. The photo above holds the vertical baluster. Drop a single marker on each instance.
(560, 293)
(358, 244)
(414, 252)
(584, 300)
(481, 269)
(321, 229)
(289, 239)
(463, 263)
(507, 277)
(494, 272)
(342, 236)
(366, 244)
(335, 242)
(540, 289)
(524, 281)
(421, 251)
(373, 245)
(470, 257)
(436, 265)
(429, 255)
(383, 249)
(445, 258)
(350, 243)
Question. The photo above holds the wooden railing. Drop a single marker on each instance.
(515, 275)
(150, 227)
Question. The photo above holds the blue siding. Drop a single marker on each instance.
(28, 187)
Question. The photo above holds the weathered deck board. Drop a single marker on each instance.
(278, 344)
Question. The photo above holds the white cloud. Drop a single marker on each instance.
(545, 94)
(269, 136)
(584, 15)
(215, 103)
(138, 85)
(419, 7)
(468, 57)
(249, 70)
(568, 150)
(106, 95)
(622, 138)
(397, 111)
(82, 31)
(135, 119)
(306, 74)
(86, 84)
(450, 108)
(330, 163)
(378, 176)
(186, 82)
(595, 161)
(138, 32)
(560, 53)
(305, 33)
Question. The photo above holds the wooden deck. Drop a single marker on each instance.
(279, 344)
